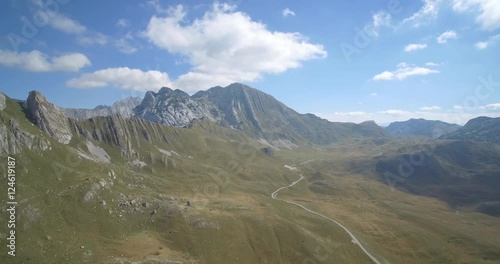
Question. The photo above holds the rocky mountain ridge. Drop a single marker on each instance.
(251, 111)
(237, 106)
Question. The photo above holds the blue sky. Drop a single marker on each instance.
(342, 60)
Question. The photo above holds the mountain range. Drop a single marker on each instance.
(175, 178)
(236, 106)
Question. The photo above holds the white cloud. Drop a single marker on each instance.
(394, 112)
(356, 113)
(488, 11)
(67, 25)
(424, 15)
(36, 61)
(386, 75)
(93, 38)
(123, 78)
(125, 47)
(402, 72)
(432, 64)
(287, 12)
(227, 46)
(482, 45)
(492, 107)
(493, 40)
(448, 35)
(373, 94)
(413, 47)
(430, 108)
(122, 22)
(380, 20)
(155, 4)
(124, 44)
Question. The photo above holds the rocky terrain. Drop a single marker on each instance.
(48, 117)
(170, 107)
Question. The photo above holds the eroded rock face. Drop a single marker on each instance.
(13, 139)
(170, 107)
(2, 101)
(48, 117)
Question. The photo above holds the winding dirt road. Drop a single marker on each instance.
(354, 239)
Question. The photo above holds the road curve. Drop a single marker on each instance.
(354, 239)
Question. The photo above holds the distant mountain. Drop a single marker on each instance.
(247, 109)
(122, 107)
(482, 128)
(421, 127)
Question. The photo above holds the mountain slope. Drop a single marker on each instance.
(421, 127)
(462, 173)
(262, 116)
(485, 129)
(16, 132)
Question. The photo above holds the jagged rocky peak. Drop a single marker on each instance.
(48, 117)
(170, 107)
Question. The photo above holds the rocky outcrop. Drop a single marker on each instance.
(125, 133)
(2, 101)
(48, 117)
(13, 139)
(122, 107)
